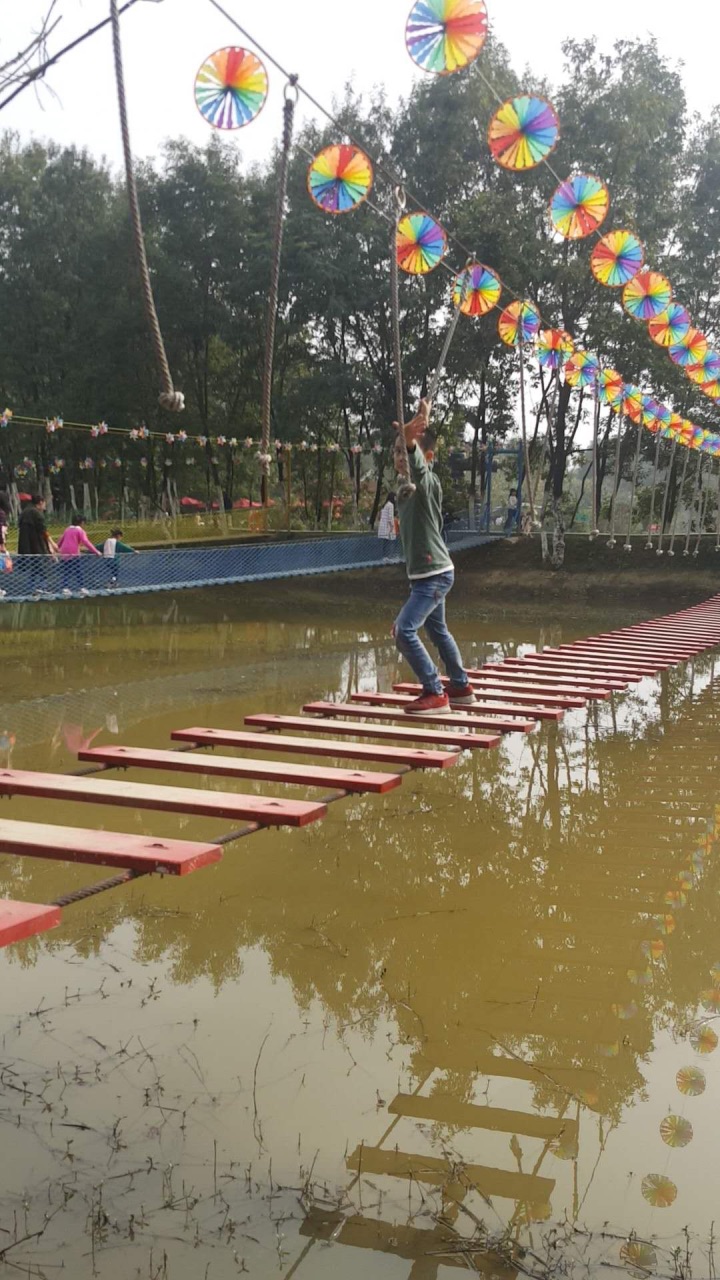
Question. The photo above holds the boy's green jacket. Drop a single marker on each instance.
(421, 522)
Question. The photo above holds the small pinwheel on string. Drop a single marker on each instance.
(520, 322)
(421, 244)
(579, 206)
(476, 290)
(339, 179)
(553, 348)
(443, 36)
(231, 88)
(523, 132)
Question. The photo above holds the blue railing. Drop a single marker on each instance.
(41, 577)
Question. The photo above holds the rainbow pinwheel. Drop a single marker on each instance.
(421, 244)
(230, 88)
(616, 258)
(443, 36)
(579, 206)
(671, 326)
(691, 350)
(610, 388)
(340, 178)
(706, 369)
(582, 370)
(523, 132)
(711, 389)
(647, 295)
(632, 403)
(553, 348)
(519, 322)
(476, 290)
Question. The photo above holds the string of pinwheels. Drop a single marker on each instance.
(444, 36)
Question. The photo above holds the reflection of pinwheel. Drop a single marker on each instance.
(632, 403)
(675, 1131)
(659, 1191)
(654, 950)
(691, 350)
(690, 1081)
(445, 35)
(639, 1258)
(582, 369)
(523, 132)
(617, 258)
(706, 369)
(579, 206)
(710, 999)
(340, 178)
(421, 244)
(647, 295)
(553, 348)
(610, 387)
(230, 88)
(703, 1039)
(476, 290)
(519, 316)
(671, 326)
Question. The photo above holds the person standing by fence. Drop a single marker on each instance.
(34, 541)
(387, 528)
(71, 543)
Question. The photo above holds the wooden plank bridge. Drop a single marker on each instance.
(514, 696)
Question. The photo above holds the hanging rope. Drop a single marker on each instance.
(651, 517)
(550, 410)
(406, 487)
(666, 498)
(677, 505)
(435, 380)
(616, 484)
(169, 398)
(594, 531)
(703, 513)
(627, 545)
(289, 104)
(523, 420)
(694, 503)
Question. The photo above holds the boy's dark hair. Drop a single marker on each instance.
(116, 533)
(428, 441)
(390, 498)
(36, 499)
(78, 519)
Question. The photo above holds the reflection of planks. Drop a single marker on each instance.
(455, 1179)
(464, 1057)
(444, 1109)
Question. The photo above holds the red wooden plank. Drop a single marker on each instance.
(529, 682)
(502, 692)
(527, 671)
(266, 810)
(642, 647)
(106, 848)
(20, 920)
(412, 730)
(414, 758)
(500, 723)
(355, 780)
(454, 720)
(576, 668)
(472, 719)
(636, 655)
(605, 662)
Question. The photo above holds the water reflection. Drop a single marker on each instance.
(528, 938)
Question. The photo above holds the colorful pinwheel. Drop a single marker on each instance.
(339, 179)
(647, 295)
(476, 290)
(711, 389)
(671, 326)
(421, 244)
(443, 36)
(582, 370)
(617, 258)
(523, 132)
(649, 413)
(632, 403)
(610, 388)
(579, 206)
(706, 369)
(230, 88)
(519, 322)
(553, 348)
(691, 350)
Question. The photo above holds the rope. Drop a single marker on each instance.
(696, 491)
(434, 381)
(673, 451)
(406, 487)
(169, 398)
(627, 545)
(289, 105)
(651, 517)
(523, 419)
(679, 500)
(594, 531)
(554, 385)
(616, 485)
(703, 513)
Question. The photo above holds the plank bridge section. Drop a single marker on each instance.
(513, 696)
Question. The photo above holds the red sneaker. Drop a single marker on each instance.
(428, 704)
(461, 695)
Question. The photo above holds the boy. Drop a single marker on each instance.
(432, 575)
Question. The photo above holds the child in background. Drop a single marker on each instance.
(70, 544)
(386, 526)
(111, 548)
(512, 511)
(432, 576)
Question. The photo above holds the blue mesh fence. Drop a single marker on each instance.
(42, 577)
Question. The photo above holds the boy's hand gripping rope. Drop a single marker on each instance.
(169, 398)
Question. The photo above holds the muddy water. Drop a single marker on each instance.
(441, 1030)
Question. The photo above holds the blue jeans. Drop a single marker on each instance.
(426, 607)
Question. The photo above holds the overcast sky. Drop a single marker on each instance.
(325, 41)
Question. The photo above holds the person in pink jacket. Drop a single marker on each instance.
(71, 543)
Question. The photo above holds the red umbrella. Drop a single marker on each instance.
(242, 504)
(194, 503)
(24, 497)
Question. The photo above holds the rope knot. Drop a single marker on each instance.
(173, 401)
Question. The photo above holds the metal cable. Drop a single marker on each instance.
(523, 422)
(594, 531)
(169, 398)
(616, 483)
(677, 505)
(703, 513)
(693, 504)
(627, 545)
(406, 487)
(651, 517)
(666, 497)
